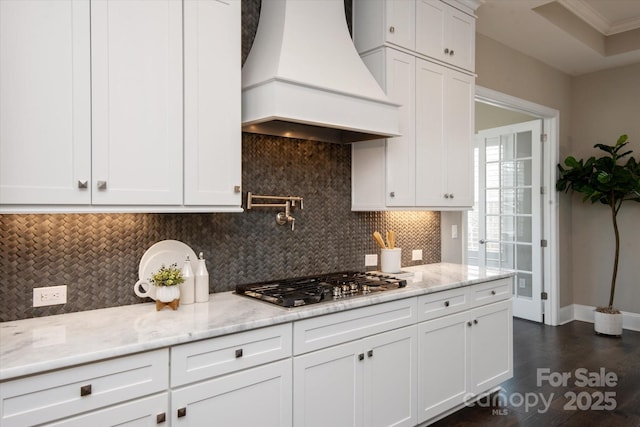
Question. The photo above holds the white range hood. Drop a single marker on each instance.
(304, 79)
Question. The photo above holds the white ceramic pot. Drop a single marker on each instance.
(608, 324)
(167, 293)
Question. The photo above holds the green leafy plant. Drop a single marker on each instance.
(167, 276)
(607, 180)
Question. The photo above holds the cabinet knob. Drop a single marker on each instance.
(182, 412)
(451, 195)
(392, 194)
(446, 303)
(361, 356)
(451, 52)
(446, 51)
(392, 29)
(469, 323)
(102, 185)
(446, 195)
(370, 353)
(493, 292)
(83, 184)
(161, 418)
(238, 353)
(236, 188)
(85, 390)
(475, 321)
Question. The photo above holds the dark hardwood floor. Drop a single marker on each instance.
(563, 350)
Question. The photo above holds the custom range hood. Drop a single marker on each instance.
(304, 79)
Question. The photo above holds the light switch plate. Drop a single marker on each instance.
(371, 260)
(454, 231)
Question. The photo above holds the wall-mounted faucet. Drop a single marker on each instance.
(282, 218)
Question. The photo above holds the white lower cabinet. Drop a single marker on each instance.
(368, 382)
(463, 355)
(259, 396)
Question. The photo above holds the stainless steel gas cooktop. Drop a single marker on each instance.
(320, 288)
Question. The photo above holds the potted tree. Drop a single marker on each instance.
(610, 181)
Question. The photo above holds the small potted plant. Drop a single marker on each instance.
(167, 280)
(611, 182)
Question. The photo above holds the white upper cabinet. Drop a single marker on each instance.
(136, 66)
(97, 115)
(445, 33)
(438, 30)
(212, 112)
(45, 121)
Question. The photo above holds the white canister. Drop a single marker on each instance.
(188, 287)
(390, 260)
(202, 281)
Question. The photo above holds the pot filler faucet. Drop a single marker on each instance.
(289, 202)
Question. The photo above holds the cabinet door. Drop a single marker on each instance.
(431, 18)
(136, 60)
(443, 370)
(146, 412)
(460, 36)
(212, 135)
(459, 124)
(327, 387)
(401, 21)
(430, 133)
(45, 122)
(390, 378)
(400, 152)
(254, 397)
(491, 360)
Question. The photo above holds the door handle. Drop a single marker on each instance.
(482, 241)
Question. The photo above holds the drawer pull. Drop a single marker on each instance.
(475, 321)
(370, 353)
(160, 418)
(182, 412)
(85, 390)
(469, 323)
(361, 356)
(493, 292)
(446, 303)
(238, 353)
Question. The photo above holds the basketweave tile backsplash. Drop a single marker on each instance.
(97, 255)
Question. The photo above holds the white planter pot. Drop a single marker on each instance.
(167, 293)
(608, 324)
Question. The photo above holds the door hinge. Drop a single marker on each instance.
(543, 243)
(544, 296)
(543, 137)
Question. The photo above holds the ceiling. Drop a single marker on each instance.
(574, 36)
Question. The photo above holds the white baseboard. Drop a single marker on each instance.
(584, 313)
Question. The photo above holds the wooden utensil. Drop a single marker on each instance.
(391, 239)
(378, 238)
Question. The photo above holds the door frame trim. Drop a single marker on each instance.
(550, 210)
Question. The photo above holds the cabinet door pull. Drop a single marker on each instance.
(361, 356)
(451, 52)
(475, 321)
(85, 390)
(370, 353)
(446, 195)
(182, 412)
(83, 184)
(102, 185)
(469, 323)
(446, 51)
(160, 418)
(446, 303)
(392, 194)
(238, 353)
(392, 29)
(493, 292)
(451, 196)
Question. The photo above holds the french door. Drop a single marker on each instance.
(505, 227)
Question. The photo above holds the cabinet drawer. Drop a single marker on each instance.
(496, 290)
(442, 303)
(48, 397)
(324, 331)
(218, 356)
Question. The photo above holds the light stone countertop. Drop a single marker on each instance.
(41, 344)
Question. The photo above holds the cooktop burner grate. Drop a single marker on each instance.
(314, 289)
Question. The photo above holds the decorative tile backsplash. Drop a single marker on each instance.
(97, 255)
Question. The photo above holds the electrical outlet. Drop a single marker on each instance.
(49, 295)
(371, 260)
(416, 255)
(454, 231)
